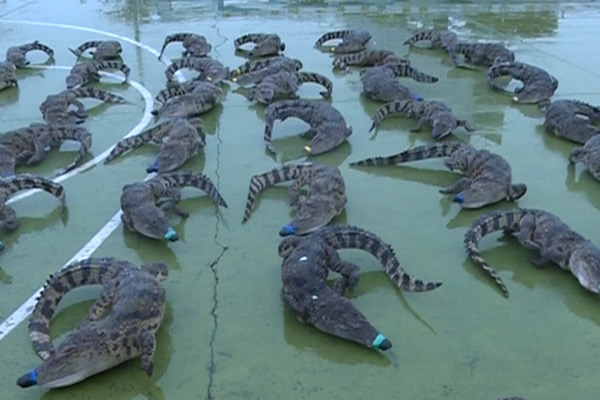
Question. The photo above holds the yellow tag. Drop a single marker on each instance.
(307, 149)
(515, 99)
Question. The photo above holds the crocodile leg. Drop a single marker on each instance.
(462, 184)
(103, 302)
(349, 271)
(9, 222)
(148, 348)
(420, 125)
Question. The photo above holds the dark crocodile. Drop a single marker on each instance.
(438, 39)
(538, 84)
(284, 85)
(253, 72)
(17, 54)
(84, 73)
(380, 82)
(265, 44)
(571, 119)
(480, 54)
(325, 196)
(8, 75)
(367, 58)
(194, 45)
(589, 156)
(487, 180)
(187, 100)
(352, 40)
(209, 69)
(133, 306)
(105, 50)
(541, 231)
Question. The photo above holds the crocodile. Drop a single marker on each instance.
(194, 45)
(179, 140)
(17, 54)
(285, 85)
(8, 75)
(325, 198)
(538, 84)
(84, 73)
(352, 40)
(145, 204)
(105, 50)
(438, 39)
(307, 260)
(589, 156)
(255, 71)
(265, 44)
(367, 58)
(106, 338)
(542, 231)
(380, 83)
(181, 102)
(29, 145)
(209, 69)
(487, 180)
(480, 54)
(328, 128)
(55, 108)
(571, 119)
(435, 113)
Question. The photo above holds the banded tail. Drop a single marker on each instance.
(36, 45)
(394, 107)
(103, 95)
(507, 219)
(111, 64)
(305, 77)
(248, 38)
(16, 183)
(351, 237)
(181, 63)
(331, 36)
(405, 70)
(260, 182)
(77, 133)
(192, 179)
(165, 94)
(175, 37)
(495, 71)
(85, 46)
(153, 134)
(420, 36)
(433, 150)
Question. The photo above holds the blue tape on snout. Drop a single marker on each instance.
(378, 340)
(459, 198)
(33, 375)
(289, 229)
(153, 167)
(418, 97)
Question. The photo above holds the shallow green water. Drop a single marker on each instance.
(462, 341)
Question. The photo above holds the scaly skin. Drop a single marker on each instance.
(328, 127)
(8, 75)
(589, 156)
(480, 54)
(145, 204)
(541, 231)
(183, 102)
(352, 40)
(194, 45)
(284, 85)
(105, 49)
(17, 54)
(538, 84)
(137, 305)
(564, 119)
(380, 84)
(253, 72)
(209, 69)
(179, 140)
(265, 44)
(55, 109)
(325, 198)
(487, 180)
(29, 145)
(366, 58)
(85, 73)
(441, 39)
(434, 113)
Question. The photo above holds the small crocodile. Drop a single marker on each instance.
(542, 231)
(105, 50)
(481, 54)
(181, 102)
(209, 69)
(328, 128)
(179, 140)
(589, 156)
(29, 145)
(571, 119)
(265, 44)
(538, 84)
(284, 85)
(8, 75)
(352, 40)
(84, 73)
(367, 58)
(307, 260)
(380, 83)
(255, 71)
(487, 180)
(325, 198)
(194, 45)
(438, 39)
(435, 113)
(17, 54)
(144, 204)
(137, 305)
(55, 109)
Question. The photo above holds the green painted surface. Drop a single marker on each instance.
(463, 341)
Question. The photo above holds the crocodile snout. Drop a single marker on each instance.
(28, 379)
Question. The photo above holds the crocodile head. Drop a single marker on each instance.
(108, 49)
(314, 214)
(150, 221)
(330, 136)
(216, 73)
(264, 94)
(482, 194)
(585, 265)
(443, 126)
(74, 80)
(533, 94)
(158, 269)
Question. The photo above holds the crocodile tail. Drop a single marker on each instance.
(351, 237)
(112, 64)
(176, 37)
(304, 77)
(281, 110)
(103, 95)
(394, 107)
(405, 70)
(507, 219)
(77, 133)
(433, 150)
(133, 142)
(179, 63)
(341, 63)
(249, 38)
(193, 179)
(165, 94)
(16, 183)
(37, 46)
(90, 271)
(260, 182)
(420, 36)
(85, 46)
(331, 36)
(495, 71)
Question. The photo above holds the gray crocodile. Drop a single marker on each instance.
(380, 83)
(328, 128)
(306, 263)
(325, 198)
(17, 54)
(179, 140)
(589, 156)
(120, 325)
(435, 113)
(194, 45)
(187, 100)
(438, 39)
(480, 54)
(542, 231)
(209, 69)
(487, 180)
(8, 75)
(84, 73)
(145, 204)
(538, 84)
(352, 40)
(253, 72)
(571, 119)
(105, 50)
(265, 44)
(29, 145)
(284, 85)
(366, 58)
